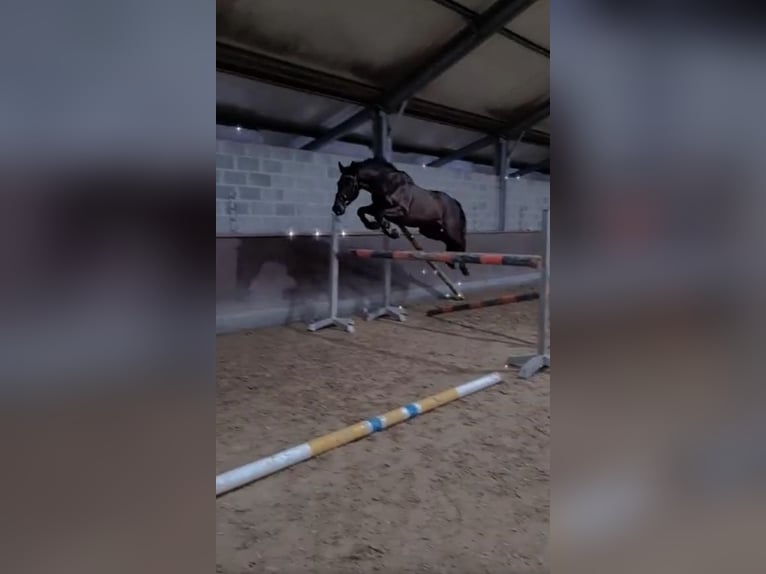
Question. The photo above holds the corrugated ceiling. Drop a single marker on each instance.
(533, 23)
(377, 43)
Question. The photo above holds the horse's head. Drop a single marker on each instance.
(348, 188)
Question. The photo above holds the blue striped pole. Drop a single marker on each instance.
(248, 473)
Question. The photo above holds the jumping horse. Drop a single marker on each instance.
(397, 200)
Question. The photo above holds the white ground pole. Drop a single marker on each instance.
(529, 365)
(333, 320)
(263, 467)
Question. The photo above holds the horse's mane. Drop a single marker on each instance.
(381, 163)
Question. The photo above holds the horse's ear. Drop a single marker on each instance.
(341, 168)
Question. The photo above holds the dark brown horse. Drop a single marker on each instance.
(396, 199)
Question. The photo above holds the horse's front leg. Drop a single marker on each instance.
(376, 211)
(391, 213)
(387, 229)
(366, 210)
(378, 223)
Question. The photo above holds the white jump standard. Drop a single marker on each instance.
(333, 320)
(531, 364)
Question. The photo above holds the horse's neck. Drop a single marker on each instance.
(374, 183)
(383, 183)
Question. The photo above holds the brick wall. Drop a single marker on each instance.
(263, 189)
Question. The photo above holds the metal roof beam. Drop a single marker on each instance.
(537, 114)
(541, 167)
(537, 137)
(471, 15)
(459, 46)
(462, 44)
(513, 131)
(463, 151)
(341, 129)
(239, 62)
(233, 116)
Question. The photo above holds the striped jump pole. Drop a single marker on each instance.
(503, 300)
(533, 261)
(248, 473)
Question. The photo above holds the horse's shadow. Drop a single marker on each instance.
(306, 263)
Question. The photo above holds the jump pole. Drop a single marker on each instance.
(534, 261)
(232, 479)
(502, 300)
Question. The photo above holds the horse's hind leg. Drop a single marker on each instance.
(456, 242)
(437, 233)
(459, 247)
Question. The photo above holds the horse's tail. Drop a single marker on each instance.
(463, 224)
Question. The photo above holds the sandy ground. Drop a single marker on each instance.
(464, 488)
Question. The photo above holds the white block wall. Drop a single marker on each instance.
(526, 199)
(263, 189)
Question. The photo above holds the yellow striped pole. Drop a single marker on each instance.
(248, 473)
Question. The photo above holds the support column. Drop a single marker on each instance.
(382, 147)
(501, 169)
